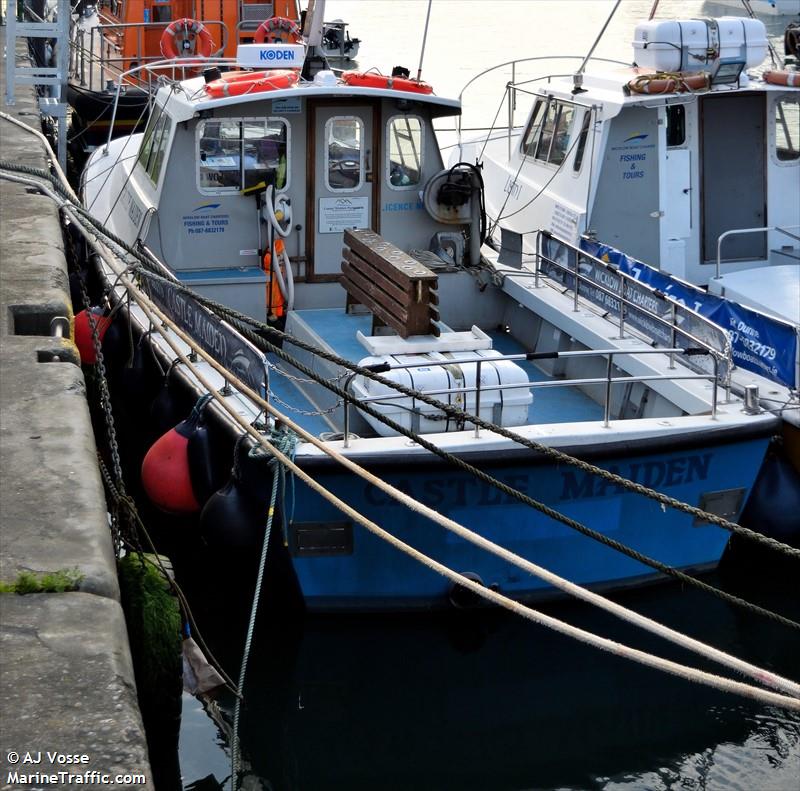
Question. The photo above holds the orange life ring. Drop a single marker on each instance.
(238, 83)
(789, 78)
(194, 36)
(278, 29)
(372, 79)
(665, 82)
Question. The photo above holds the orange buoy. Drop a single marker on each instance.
(165, 474)
(278, 30)
(666, 82)
(186, 38)
(373, 79)
(83, 333)
(241, 83)
(178, 470)
(790, 79)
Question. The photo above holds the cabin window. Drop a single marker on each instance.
(162, 11)
(154, 144)
(534, 128)
(344, 153)
(238, 153)
(404, 152)
(581, 148)
(787, 129)
(547, 136)
(676, 125)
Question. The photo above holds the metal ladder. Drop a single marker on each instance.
(56, 76)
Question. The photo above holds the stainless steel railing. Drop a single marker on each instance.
(738, 231)
(102, 59)
(720, 350)
(608, 380)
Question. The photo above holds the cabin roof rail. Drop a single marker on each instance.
(514, 85)
(162, 64)
(784, 229)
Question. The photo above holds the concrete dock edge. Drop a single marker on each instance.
(66, 677)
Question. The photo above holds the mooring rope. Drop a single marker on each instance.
(479, 590)
(618, 649)
(251, 626)
(153, 312)
(450, 410)
(667, 570)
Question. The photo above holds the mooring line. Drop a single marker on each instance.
(153, 312)
(454, 576)
(618, 649)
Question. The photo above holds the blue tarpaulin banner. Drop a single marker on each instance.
(760, 344)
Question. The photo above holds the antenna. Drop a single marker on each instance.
(424, 39)
(577, 78)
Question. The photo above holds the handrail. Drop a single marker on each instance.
(724, 354)
(765, 229)
(608, 380)
(172, 63)
(96, 54)
(513, 85)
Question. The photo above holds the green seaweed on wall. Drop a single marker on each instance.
(44, 582)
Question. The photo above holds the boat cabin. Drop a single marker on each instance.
(678, 160)
(238, 168)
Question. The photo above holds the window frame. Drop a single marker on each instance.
(361, 155)
(677, 108)
(583, 139)
(531, 142)
(388, 161)
(156, 144)
(776, 108)
(265, 119)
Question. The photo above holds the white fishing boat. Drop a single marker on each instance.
(416, 352)
(682, 170)
(760, 7)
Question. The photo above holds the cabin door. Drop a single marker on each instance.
(733, 175)
(343, 152)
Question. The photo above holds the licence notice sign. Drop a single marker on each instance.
(336, 215)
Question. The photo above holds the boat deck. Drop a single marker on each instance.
(335, 331)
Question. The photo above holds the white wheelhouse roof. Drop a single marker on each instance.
(186, 99)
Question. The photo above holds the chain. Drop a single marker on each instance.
(245, 324)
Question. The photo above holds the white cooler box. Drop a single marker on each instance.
(682, 44)
(503, 407)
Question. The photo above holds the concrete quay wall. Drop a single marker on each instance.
(68, 706)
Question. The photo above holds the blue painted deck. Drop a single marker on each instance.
(550, 405)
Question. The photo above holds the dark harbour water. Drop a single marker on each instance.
(482, 700)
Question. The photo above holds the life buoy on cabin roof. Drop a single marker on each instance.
(669, 82)
(373, 79)
(788, 78)
(194, 39)
(238, 83)
(278, 29)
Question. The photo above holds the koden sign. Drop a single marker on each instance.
(259, 56)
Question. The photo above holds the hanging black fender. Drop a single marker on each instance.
(235, 516)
